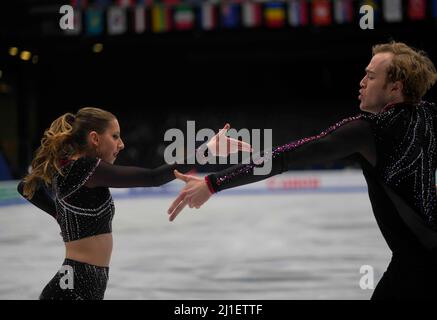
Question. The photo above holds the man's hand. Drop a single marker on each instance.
(195, 194)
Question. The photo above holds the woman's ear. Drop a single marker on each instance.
(93, 138)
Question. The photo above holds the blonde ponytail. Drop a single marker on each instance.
(55, 145)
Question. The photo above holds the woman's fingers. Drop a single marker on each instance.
(223, 131)
(181, 176)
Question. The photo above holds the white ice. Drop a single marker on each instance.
(284, 246)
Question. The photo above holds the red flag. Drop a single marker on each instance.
(417, 9)
(321, 13)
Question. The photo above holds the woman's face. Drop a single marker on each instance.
(109, 143)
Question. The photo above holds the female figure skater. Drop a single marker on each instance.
(76, 159)
(395, 143)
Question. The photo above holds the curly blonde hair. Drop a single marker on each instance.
(66, 136)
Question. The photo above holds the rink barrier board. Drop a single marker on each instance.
(332, 181)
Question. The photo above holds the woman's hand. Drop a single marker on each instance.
(195, 194)
(221, 145)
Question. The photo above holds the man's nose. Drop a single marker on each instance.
(362, 82)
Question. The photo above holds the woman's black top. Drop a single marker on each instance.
(80, 200)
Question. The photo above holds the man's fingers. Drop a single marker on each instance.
(176, 202)
(177, 210)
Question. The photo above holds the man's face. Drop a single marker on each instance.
(374, 93)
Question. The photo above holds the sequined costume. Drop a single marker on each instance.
(81, 203)
(396, 149)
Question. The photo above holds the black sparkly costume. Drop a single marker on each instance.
(397, 151)
(82, 204)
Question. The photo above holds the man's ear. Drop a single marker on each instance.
(397, 86)
(93, 138)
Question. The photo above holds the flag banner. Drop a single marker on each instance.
(161, 18)
(343, 11)
(321, 12)
(94, 21)
(230, 15)
(139, 19)
(392, 10)
(183, 17)
(416, 9)
(274, 14)
(298, 13)
(208, 16)
(376, 5)
(126, 3)
(251, 14)
(102, 3)
(117, 20)
(173, 2)
(434, 9)
(77, 24)
(79, 4)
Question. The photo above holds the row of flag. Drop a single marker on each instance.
(121, 16)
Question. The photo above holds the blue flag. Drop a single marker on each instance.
(230, 15)
(434, 9)
(94, 21)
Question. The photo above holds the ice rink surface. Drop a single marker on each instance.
(285, 246)
(260, 246)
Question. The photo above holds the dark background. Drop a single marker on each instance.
(296, 81)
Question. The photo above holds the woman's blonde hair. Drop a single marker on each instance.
(410, 66)
(67, 135)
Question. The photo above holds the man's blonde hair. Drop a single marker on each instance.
(410, 66)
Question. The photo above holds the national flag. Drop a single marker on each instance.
(139, 18)
(79, 4)
(274, 14)
(343, 11)
(102, 3)
(252, 14)
(298, 13)
(117, 21)
(171, 2)
(230, 15)
(392, 10)
(125, 3)
(161, 18)
(321, 10)
(94, 21)
(77, 23)
(434, 9)
(183, 17)
(376, 5)
(417, 9)
(208, 16)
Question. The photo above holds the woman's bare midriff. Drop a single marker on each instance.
(95, 250)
